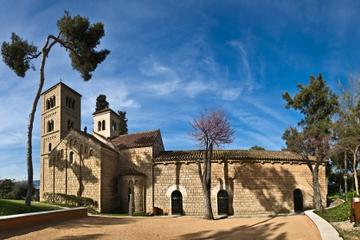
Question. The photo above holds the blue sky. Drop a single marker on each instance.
(170, 60)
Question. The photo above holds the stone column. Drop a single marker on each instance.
(139, 195)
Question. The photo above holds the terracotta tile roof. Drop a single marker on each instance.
(193, 155)
(141, 139)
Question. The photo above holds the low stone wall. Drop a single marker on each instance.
(32, 219)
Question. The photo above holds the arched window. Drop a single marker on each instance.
(47, 104)
(99, 126)
(298, 200)
(176, 203)
(70, 124)
(54, 101)
(49, 147)
(103, 124)
(50, 125)
(73, 104)
(71, 157)
(223, 202)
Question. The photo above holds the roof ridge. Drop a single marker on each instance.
(123, 135)
(243, 150)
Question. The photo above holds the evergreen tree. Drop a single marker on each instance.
(256, 147)
(318, 104)
(123, 122)
(80, 40)
(101, 102)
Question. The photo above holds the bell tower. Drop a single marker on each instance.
(106, 123)
(60, 112)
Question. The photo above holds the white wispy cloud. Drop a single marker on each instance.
(162, 79)
(268, 141)
(269, 110)
(245, 64)
(230, 94)
(194, 88)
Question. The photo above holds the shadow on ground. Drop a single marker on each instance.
(86, 222)
(259, 230)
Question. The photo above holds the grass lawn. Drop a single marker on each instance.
(11, 207)
(336, 214)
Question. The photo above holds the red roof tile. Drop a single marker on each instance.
(229, 155)
(141, 139)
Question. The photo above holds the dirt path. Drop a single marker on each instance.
(95, 227)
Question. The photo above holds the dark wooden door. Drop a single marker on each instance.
(176, 203)
(298, 201)
(223, 202)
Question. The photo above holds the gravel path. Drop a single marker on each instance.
(95, 227)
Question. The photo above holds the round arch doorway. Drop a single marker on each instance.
(223, 202)
(298, 201)
(176, 203)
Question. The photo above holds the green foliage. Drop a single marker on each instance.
(292, 137)
(6, 187)
(101, 102)
(9, 189)
(256, 147)
(318, 104)
(123, 122)
(10, 207)
(70, 200)
(17, 54)
(315, 101)
(76, 35)
(336, 214)
(19, 190)
(82, 38)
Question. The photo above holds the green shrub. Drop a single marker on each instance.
(6, 186)
(336, 214)
(71, 200)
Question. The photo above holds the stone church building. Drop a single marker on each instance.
(107, 167)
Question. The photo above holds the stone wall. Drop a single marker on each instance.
(109, 177)
(78, 175)
(253, 188)
(140, 160)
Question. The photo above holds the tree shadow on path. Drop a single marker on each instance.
(260, 230)
(85, 222)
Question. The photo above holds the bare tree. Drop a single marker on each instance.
(211, 129)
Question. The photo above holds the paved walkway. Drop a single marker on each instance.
(95, 227)
(327, 231)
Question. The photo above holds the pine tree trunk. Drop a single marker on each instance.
(316, 188)
(30, 129)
